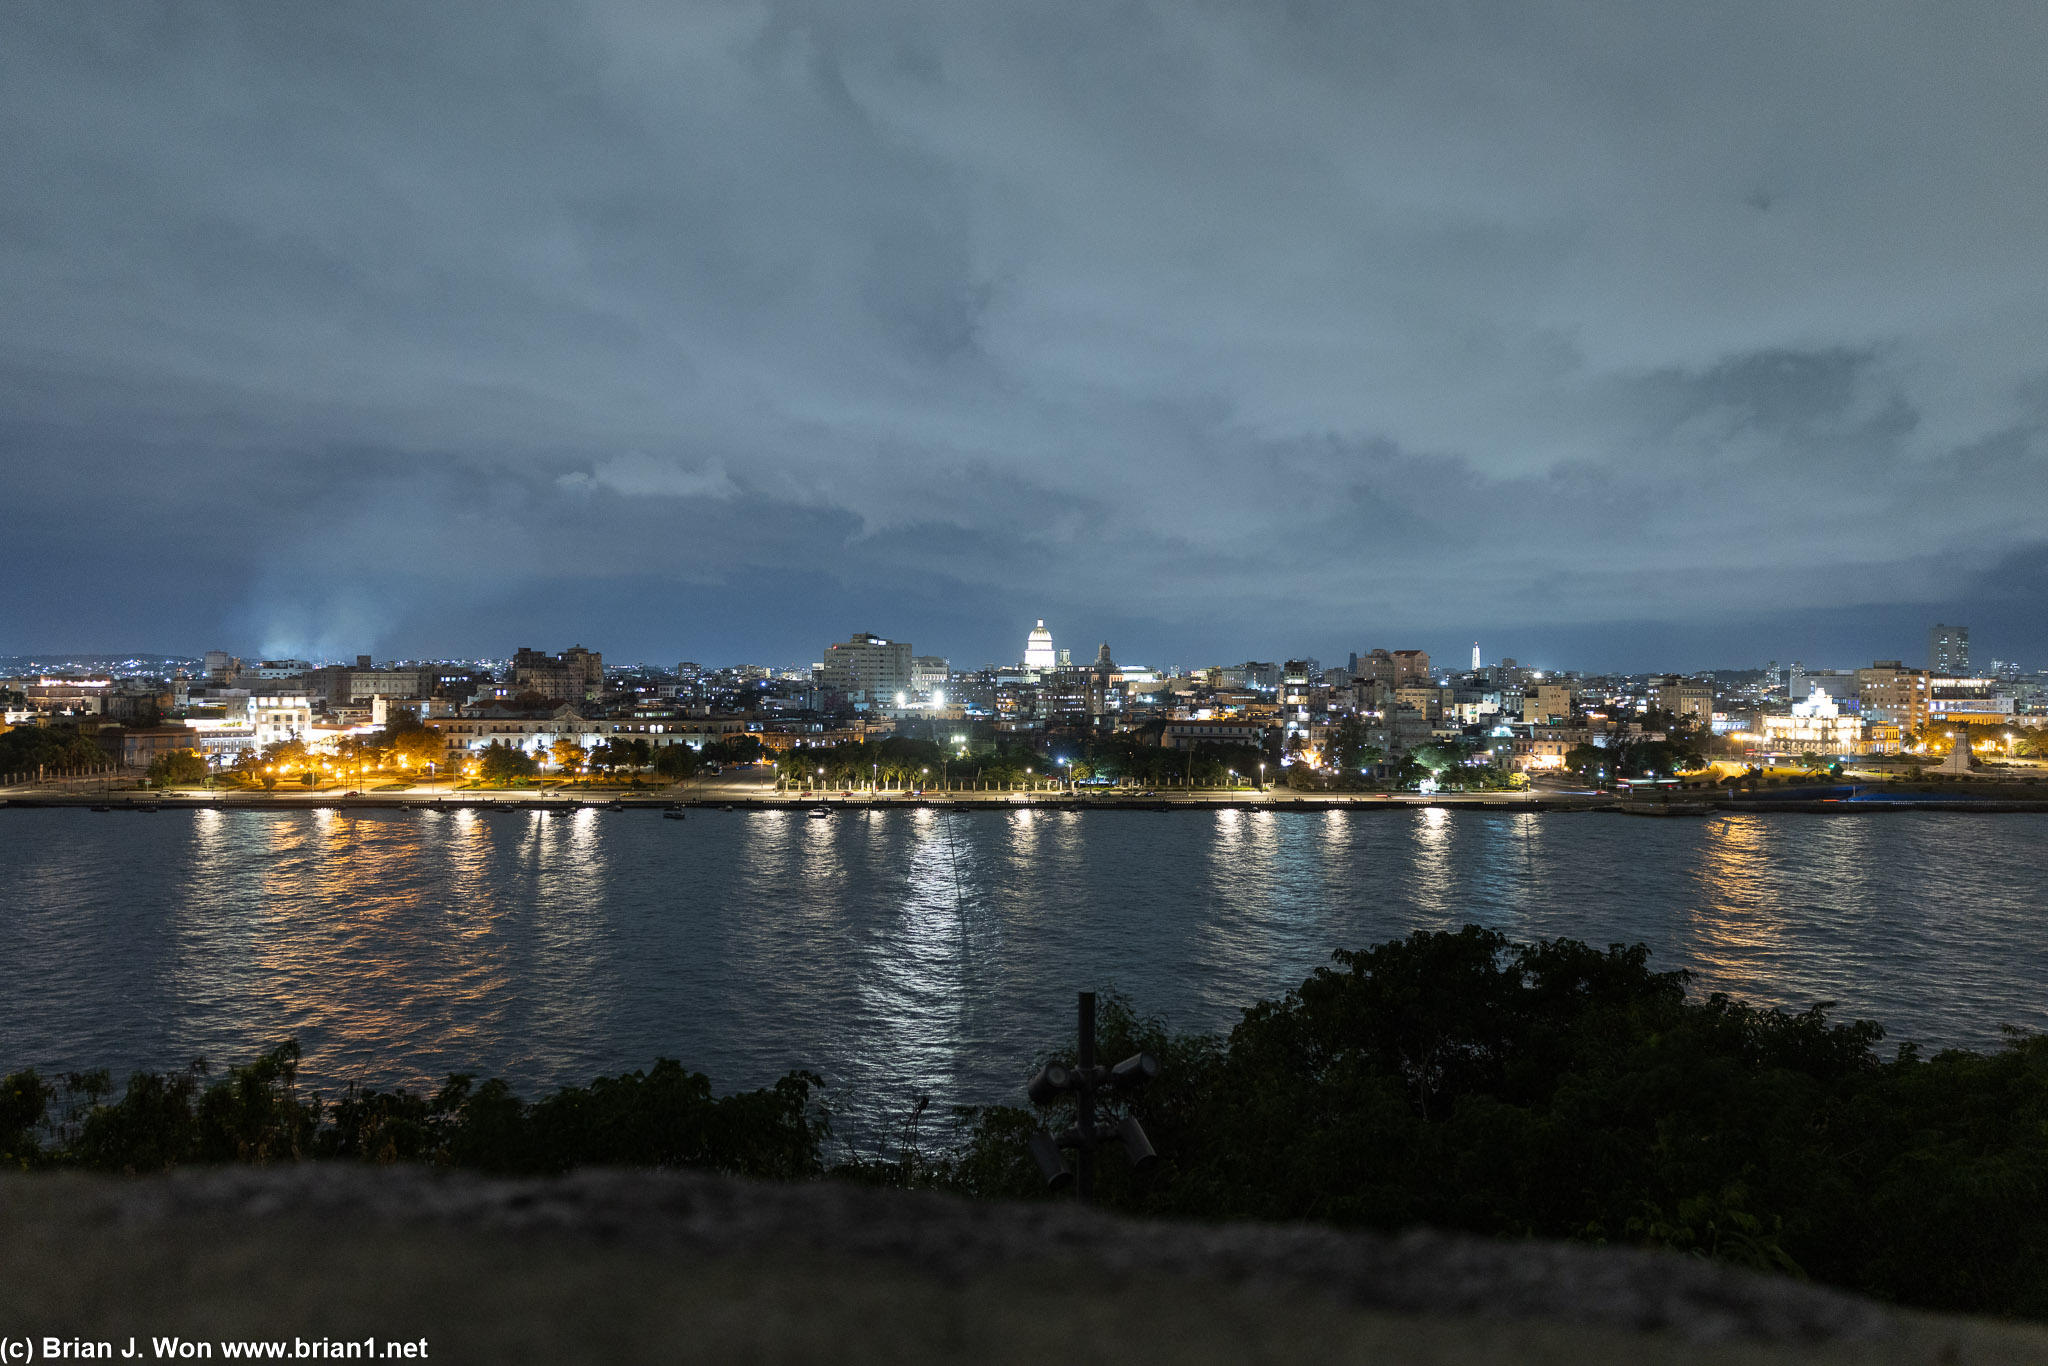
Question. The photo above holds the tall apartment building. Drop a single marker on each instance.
(866, 669)
(1893, 695)
(575, 675)
(1948, 651)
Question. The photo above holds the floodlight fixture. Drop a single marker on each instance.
(1137, 1147)
(1137, 1070)
(1051, 1163)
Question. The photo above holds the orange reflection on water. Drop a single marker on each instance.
(355, 932)
(1735, 934)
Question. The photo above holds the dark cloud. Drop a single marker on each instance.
(1221, 329)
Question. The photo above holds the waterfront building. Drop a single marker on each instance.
(1819, 725)
(140, 746)
(1972, 701)
(1891, 694)
(866, 670)
(276, 717)
(1188, 734)
(1541, 748)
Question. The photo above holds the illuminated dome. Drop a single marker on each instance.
(1038, 648)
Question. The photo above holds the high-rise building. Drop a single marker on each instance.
(1475, 657)
(1948, 651)
(1893, 695)
(867, 670)
(1038, 651)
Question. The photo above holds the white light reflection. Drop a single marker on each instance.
(1436, 887)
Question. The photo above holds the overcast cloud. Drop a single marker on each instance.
(1217, 330)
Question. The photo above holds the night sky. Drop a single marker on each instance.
(1213, 330)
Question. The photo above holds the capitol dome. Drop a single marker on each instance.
(1038, 648)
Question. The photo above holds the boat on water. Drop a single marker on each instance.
(103, 808)
(818, 813)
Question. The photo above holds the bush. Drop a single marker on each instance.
(1553, 1090)
(664, 1117)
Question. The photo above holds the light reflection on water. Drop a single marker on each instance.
(916, 951)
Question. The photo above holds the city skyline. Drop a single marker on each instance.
(1911, 642)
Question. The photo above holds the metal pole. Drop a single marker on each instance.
(1084, 1184)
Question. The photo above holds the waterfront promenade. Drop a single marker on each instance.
(745, 792)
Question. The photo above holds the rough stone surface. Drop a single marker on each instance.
(835, 1272)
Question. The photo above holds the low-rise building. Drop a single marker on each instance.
(278, 717)
(1819, 725)
(1188, 734)
(1971, 701)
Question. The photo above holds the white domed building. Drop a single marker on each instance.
(1038, 653)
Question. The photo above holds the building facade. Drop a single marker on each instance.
(575, 675)
(1686, 698)
(867, 670)
(1891, 694)
(1819, 725)
(1948, 650)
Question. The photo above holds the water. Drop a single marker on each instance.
(912, 951)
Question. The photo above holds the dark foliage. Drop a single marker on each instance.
(664, 1117)
(1554, 1090)
(26, 748)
